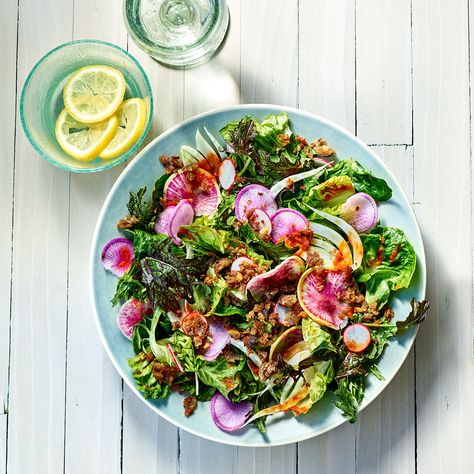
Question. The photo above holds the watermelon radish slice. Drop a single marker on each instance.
(219, 337)
(260, 222)
(229, 416)
(284, 341)
(254, 196)
(356, 337)
(279, 186)
(227, 174)
(117, 256)
(317, 295)
(183, 214)
(360, 211)
(162, 225)
(282, 312)
(235, 267)
(286, 222)
(352, 236)
(189, 155)
(197, 185)
(335, 238)
(130, 314)
(288, 271)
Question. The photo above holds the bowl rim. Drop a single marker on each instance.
(106, 166)
(421, 262)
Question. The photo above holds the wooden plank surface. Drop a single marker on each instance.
(397, 73)
(444, 356)
(8, 71)
(40, 277)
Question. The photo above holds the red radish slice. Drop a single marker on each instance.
(227, 174)
(130, 314)
(117, 256)
(323, 161)
(220, 338)
(254, 196)
(356, 337)
(286, 272)
(197, 185)
(360, 211)
(286, 222)
(162, 225)
(284, 341)
(173, 356)
(318, 292)
(235, 267)
(229, 416)
(183, 215)
(282, 312)
(259, 221)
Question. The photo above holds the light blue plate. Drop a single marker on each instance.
(144, 170)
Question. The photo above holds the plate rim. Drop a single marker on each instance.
(421, 261)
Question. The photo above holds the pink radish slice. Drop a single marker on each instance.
(235, 267)
(286, 272)
(282, 312)
(117, 256)
(220, 338)
(173, 356)
(227, 174)
(183, 215)
(318, 296)
(360, 211)
(130, 314)
(356, 337)
(254, 196)
(229, 416)
(197, 185)
(286, 222)
(163, 222)
(259, 221)
(323, 161)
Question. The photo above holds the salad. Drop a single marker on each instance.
(258, 275)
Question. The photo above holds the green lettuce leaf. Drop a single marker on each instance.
(389, 263)
(204, 239)
(182, 346)
(363, 180)
(141, 366)
(318, 376)
(220, 374)
(316, 338)
(268, 130)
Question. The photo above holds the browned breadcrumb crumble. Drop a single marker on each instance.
(171, 163)
(127, 222)
(189, 404)
(164, 373)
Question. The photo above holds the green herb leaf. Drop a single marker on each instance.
(350, 393)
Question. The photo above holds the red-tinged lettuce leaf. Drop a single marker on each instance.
(170, 277)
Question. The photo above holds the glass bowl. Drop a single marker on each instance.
(42, 98)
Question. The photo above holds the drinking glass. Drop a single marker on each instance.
(177, 32)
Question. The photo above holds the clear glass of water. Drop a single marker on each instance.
(177, 32)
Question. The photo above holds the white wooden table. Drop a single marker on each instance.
(395, 72)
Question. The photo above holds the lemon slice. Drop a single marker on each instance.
(131, 123)
(94, 93)
(84, 141)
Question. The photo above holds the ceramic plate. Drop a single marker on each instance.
(144, 170)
